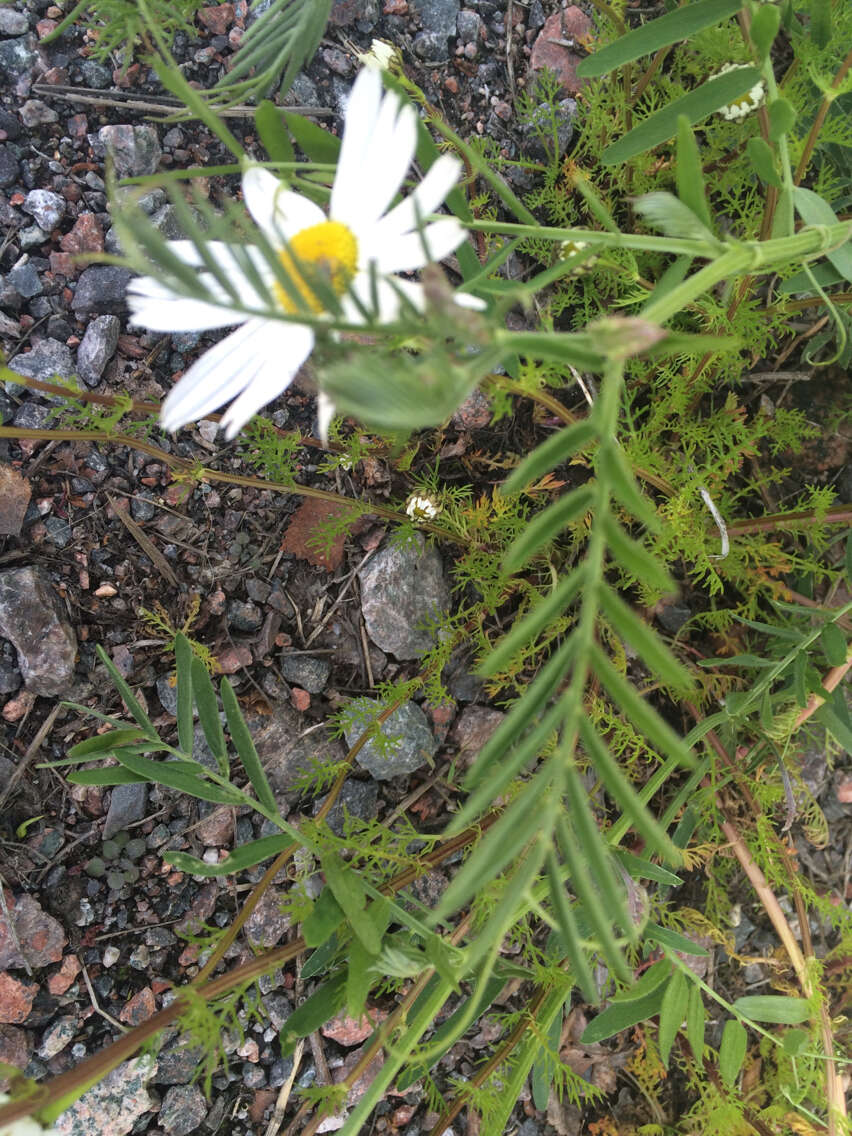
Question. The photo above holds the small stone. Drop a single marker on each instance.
(140, 1007)
(246, 617)
(474, 727)
(184, 1108)
(9, 167)
(403, 587)
(307, 671)
(142, 504)
(438, 16)
(60, 1034)
(178, 1065)
(16, 999)
(430, 47)
(135, 150)
(17, 57)
(102, 289)
(218, 19)
(468, 25)
(233, 659)
(87, 235)
(111, 956)
(408, 745)
(267, 924)
(474, 413)
(672, 616)
(569, 24)
(25, 280)
(127, 805)
(539, 131)
(112, 1106)
(13, 23)
(16, 1049)
(34, 112)
(33, 236)
(95, 74)
(58, 531)
(15, 493)
(358, 799)
(97, 348)
(46, 207)
(352, 1031)
(217, 829)
(30, 618)
(64, 978)
(47, 359)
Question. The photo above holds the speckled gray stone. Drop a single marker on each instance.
(31, 619)
(97, 348)
(47, 207)
(135, 150)
(409, 745)
(112, 1107)
(403, 588)
(184, 1108)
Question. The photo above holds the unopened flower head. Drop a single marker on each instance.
(744, 104)
(355, 253)
(572, 248)
(422, 508)
(26, 1126)
(382, 56)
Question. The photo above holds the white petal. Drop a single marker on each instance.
(325, 413)
(407, 253)
(156, 307)
(391, 153)
(425, 199)
(285, 347)
(368, 182)
(277, 211)
(361, 113)
(389, 293)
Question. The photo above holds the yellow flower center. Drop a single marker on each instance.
(326, 253)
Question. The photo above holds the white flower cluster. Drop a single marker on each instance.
(421, 508)
(746, 103)
(26, 1126)
(571, 248)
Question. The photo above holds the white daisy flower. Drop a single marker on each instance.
(26, 1126)
(422, 508)
(382, 56)
(746, 103)
(356, 251)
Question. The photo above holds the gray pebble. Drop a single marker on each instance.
(46, 207)
(307, 671)
(97, 348)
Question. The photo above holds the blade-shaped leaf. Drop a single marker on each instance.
(695, 1018)
(245, 748)
(774, 1008)
(318, 144)
(622, 791)
(671, 216)
(556, 450)
(527, 629)
(645, 641)
(689, 173)
(696, 106)
(246, 856)
(348, 891)
(315, 1011)
(634, 557)
(208, 714)
(682, 23)
(545, 526)
(183, 674)
(174, 775)
(672, 1012)
(101, 743)
(111, 775)
(569, 932)
(732, 1051)
(273, 134)
(127, 696)
(542, 1071)
(622, 1015)
(814, 210)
